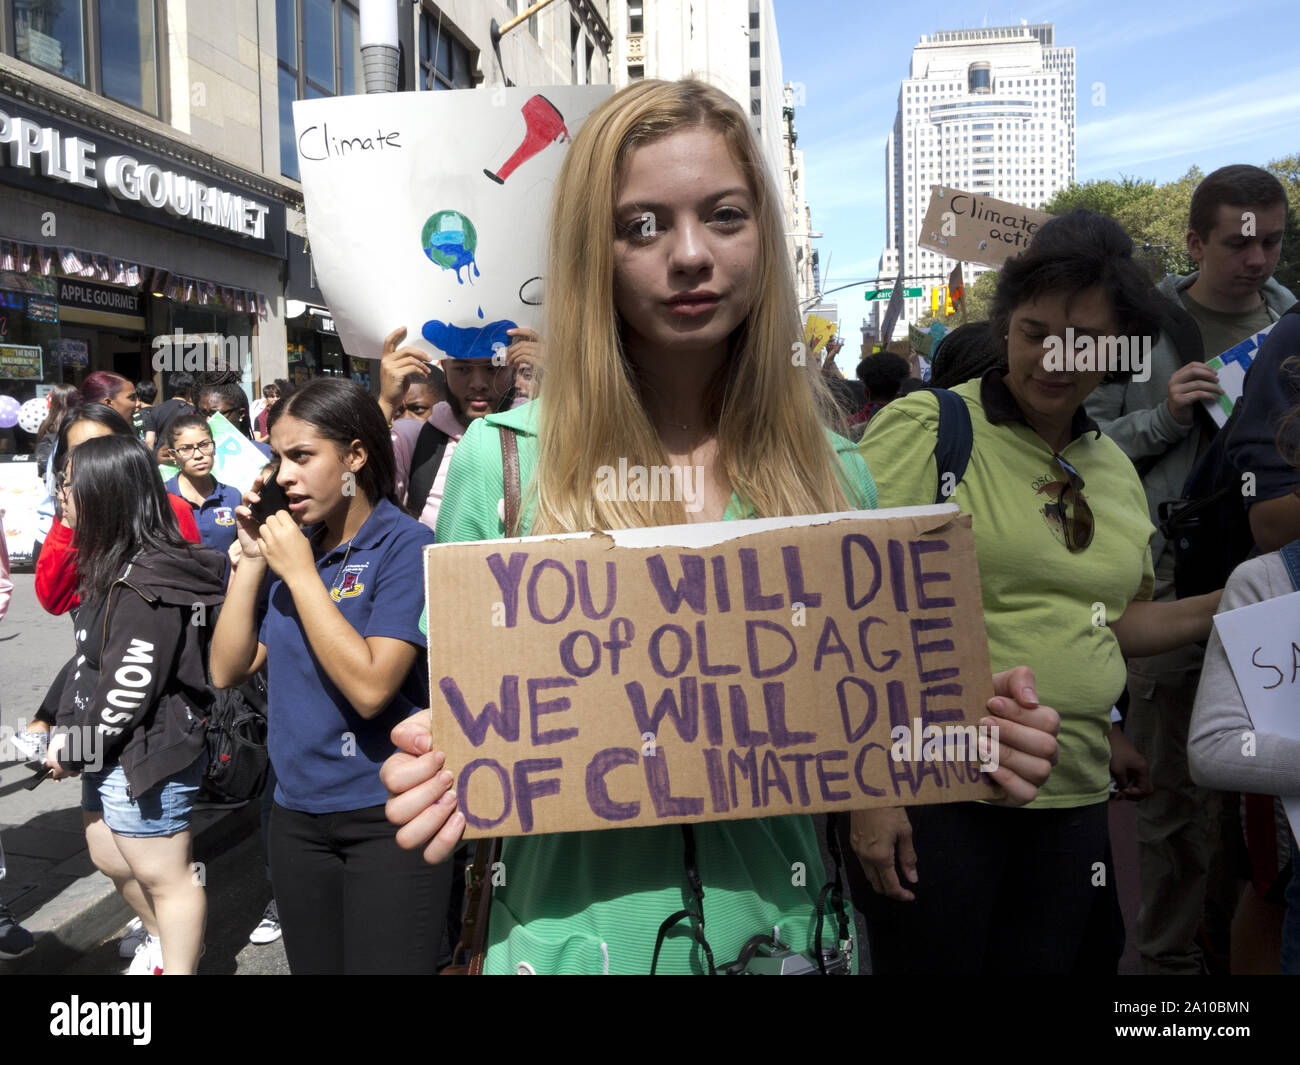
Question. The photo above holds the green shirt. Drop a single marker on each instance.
(1221, 330)
(1044, 606)
(592, 902)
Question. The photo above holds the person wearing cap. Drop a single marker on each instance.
(476, 387)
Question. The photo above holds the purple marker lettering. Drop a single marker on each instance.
(598, 791)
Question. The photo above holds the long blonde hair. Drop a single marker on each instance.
(767, 403)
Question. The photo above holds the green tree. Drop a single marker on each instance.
(1104, 197)
(1287, 171)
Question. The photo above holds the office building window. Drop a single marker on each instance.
(124, 63)
(444, 62)
(318, 43)
(635, 17)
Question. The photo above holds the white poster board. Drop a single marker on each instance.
(428, 210)
(1231, 367)
(1262, 642)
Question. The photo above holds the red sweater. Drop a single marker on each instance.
(56, 569)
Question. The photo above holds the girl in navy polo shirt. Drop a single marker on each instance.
(190, 447)
(337, 581)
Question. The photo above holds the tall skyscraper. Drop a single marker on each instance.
(988, 110)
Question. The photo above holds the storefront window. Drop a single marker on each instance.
(221, 340)
(29, 346)
(48, 33)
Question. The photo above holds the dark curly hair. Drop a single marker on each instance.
(1070, 254)
(964, 353)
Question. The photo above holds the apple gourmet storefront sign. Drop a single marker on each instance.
(84, 166)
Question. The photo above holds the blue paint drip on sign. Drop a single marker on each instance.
(468, 342)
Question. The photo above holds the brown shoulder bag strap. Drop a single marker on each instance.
(510, 469)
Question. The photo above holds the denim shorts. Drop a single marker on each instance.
(163, 810)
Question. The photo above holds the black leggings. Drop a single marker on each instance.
(1000, 891)
(350, 900)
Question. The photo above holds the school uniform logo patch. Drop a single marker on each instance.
(224, 516)
(348, 583)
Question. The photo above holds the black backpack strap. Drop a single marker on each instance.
(1291, 556)
(952, 447)
(429, 448)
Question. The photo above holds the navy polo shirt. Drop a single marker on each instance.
(326, 755)
(215, 516)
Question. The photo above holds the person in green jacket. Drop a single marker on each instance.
(671, 342)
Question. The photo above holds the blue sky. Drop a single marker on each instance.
(1185, 83)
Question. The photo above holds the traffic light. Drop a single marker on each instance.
(947, 302)
(940, 297)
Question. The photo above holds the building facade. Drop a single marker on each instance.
(989, 110)
(732, 45)
(148, 173)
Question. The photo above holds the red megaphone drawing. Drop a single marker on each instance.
(544, 125)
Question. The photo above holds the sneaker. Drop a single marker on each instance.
(135, 935)
(15, 940)
(148, 958)
(268, 929)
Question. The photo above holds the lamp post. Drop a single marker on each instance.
(379, 47)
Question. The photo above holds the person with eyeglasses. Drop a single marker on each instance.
(191, 448)
(1062, 536)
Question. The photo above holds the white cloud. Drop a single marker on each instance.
(1107, 37)
(1261, 109)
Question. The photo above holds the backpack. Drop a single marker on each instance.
(236, 725)
(953, 444)
(1209, 526)
(236, 740)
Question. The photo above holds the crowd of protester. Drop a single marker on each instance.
(323, 600)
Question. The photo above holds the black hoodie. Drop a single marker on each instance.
(140, 692)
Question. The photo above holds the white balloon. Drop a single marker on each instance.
(32, 413)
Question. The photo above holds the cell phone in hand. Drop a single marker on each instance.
(272, 498)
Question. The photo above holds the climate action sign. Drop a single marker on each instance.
(709, 672)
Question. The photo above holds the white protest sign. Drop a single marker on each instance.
(1262, 642)
(429, 210)
(1231, 367)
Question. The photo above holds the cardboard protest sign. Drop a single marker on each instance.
(428, 210)
(1231, 367)
(709, 672)
(1262, 642)
(977, 229)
